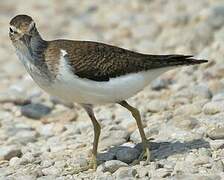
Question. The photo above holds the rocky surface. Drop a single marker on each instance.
(44, 138)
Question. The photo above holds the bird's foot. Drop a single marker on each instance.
(75, 169)
(145, 154)
(91, 164)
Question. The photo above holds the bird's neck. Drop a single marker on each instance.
(37, 45)
(35, 48)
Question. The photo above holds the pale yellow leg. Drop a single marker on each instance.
(97, 130)
(135, 113)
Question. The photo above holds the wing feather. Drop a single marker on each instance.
(100, 62)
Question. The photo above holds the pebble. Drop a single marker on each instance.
(103, 157)
(201, 91)
(217, 167)
(161, 173)
(196, 177)
(112, 137)
(14, 96)
(216, 16)
(61, 116)
(153, 166)
(142, 171)
(124, 118)
(204, 152)
(126, 173)
(111, 166)
(46, 163)
(216, 133)
(149, 132)
(188, 109)
(35, 111)
(159, 84)
(7, 152)
(127, 154)
(157, 105)
(24, 137)
(200, 160)
(218, 97)
(185, 167)
(104, 176)
(213, 107)
(169, 165)
(48, 177)
(190, 157)
(186, 123)
(27, 158)
(24, 160)
(83, 126)
(46, 130)
(51, 171)
(14, 161)
(57, 147)
(25, 177)
(4, 171)
(217, 144)
(216, 87)
(79, 161)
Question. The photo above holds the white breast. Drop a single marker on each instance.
(71, 88)
(34, 72)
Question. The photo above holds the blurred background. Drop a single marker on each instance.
(46, 135)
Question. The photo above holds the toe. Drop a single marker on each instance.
(148, 156)
(94, 162)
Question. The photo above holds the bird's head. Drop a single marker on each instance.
(22, 28)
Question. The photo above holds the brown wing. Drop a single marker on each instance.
(100, 62)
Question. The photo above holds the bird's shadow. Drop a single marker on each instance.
(159, 150)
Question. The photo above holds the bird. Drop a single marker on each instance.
(90, 73)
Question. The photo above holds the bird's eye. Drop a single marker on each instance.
(10, 29)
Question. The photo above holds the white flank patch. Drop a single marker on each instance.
(71, 88)
(63, 52)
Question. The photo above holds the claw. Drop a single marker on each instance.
(75, 170)
(145, 154)
(92, 164)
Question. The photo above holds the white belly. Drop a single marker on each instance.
(71, 88)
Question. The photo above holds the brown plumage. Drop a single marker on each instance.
(100, 62)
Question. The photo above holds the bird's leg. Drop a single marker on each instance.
(93, 162)
(135, 113)
(97, 129)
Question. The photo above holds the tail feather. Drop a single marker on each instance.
(174, 60)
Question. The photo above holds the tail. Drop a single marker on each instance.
(174, 60)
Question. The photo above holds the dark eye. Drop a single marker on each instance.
(10, 29)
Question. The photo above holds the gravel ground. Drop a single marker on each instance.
(44, 138)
